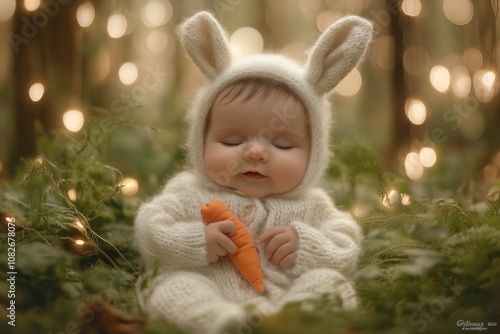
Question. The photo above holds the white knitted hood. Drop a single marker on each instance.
(333, 56)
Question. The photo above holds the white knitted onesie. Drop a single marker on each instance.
(202, 297)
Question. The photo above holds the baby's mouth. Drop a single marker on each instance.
(254, 175)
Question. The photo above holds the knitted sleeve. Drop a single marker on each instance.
(327, 237)
(168, 230)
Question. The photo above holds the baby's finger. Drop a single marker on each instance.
(274, 244)
(227, 227)
(269, 234)
(220, 251)
(226, 243)
(288, 260)
(281, 252)
(212, 257)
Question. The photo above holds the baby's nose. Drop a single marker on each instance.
(255, 150)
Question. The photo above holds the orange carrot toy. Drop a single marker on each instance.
(246, 260)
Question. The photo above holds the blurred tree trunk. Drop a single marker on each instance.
(400, 125)
(44, 51)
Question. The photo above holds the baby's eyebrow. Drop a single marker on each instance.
(232, 130)
(290, 134)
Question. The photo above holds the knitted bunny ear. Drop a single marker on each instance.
(207, 44)
(337, 51)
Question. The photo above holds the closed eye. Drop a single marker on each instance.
(284, 147)
(230, 144)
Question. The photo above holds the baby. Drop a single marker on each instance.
(258, 140)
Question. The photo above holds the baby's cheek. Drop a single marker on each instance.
(220, 165)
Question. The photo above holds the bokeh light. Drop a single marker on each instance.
(458, 12)
(36, 92)
(473, 59)
(7, 9)
(85, 14)
(405, 199)
(130, 186)
(73, 120)
(411, 7)
(427, 156)
(390, 198)
(99, 66)
(31, 5)
(460, 81)
(484, 85)
(157, 41)
(413, 166)
(440, 78)
(156, 13)
(415, 60)
(117, 25)
(128, 73)
(245, 41)
(72, 196)
(296, 51)
(80, 242)
(351, 84)
(383, 52)
(416, 111)
(325, 19)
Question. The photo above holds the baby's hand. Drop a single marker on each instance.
(218, 243)
(283, 245)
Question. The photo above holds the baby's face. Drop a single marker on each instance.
(260, 148)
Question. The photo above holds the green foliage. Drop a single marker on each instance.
(354, 164)
(423, 266)
(66, 195)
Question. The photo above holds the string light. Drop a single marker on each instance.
(157, 13)
(7, 9)
(31, 5)
(461, 82)
(484, 85)
(85, 14)
(245, 41)
(72, 195)
(411, 7)
(128, 73)
(413, 166)
(130, 186)
(440, 78)
(390, 198)
(459, 12)
(361, 211)
(79, 226)
(427, 156)
(36, 92)
(405, 199)
(416, 111)
(351, 84)
(79, 242)
(117, 25)
(73, 120)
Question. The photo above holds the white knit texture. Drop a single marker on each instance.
(203, 297)
(169, 234)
